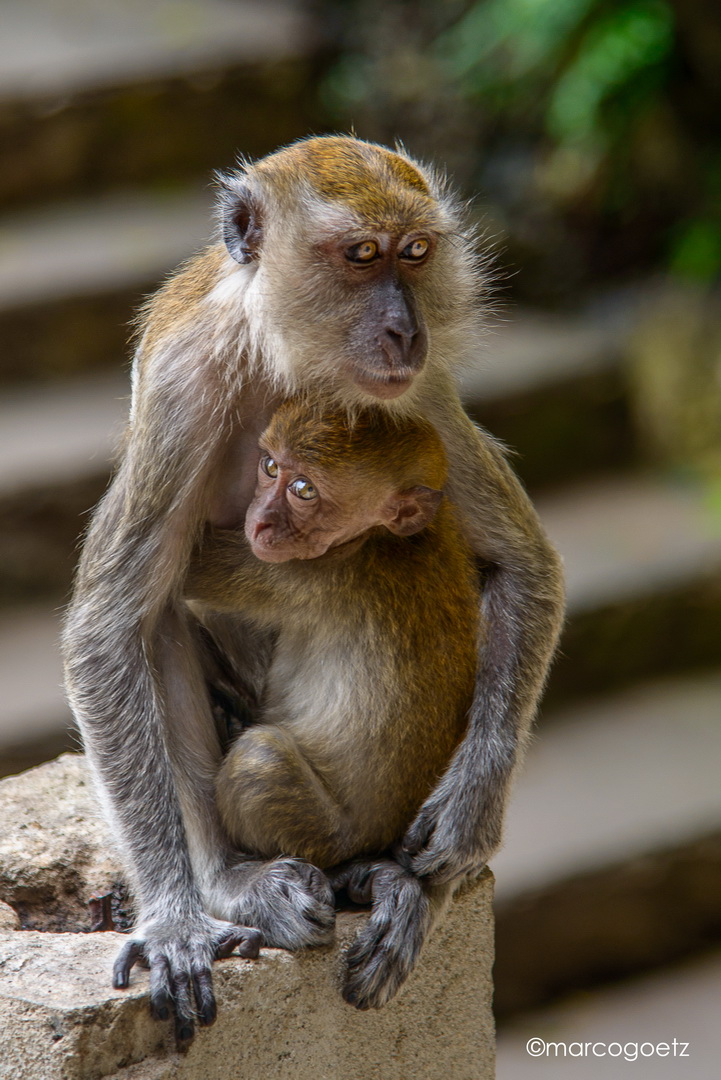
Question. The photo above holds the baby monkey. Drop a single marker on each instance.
(354, 557)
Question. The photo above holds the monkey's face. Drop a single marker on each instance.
(302, 512)
(362, 276)
(358, 310)
(385, 343)
(299, 513)
(346, 307)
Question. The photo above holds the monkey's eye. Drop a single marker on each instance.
(416, 250)
(269, 467)
(365, 252)
(303, 489)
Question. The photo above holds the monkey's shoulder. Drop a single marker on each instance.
(429, 575)
(175, 304)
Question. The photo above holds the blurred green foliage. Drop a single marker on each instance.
(574, 57)
(591, 126)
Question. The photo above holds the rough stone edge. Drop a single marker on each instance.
(280, 1016)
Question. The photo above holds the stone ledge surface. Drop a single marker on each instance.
(55, 849)
(281, 1016)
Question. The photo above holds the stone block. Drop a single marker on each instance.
(280, 1016)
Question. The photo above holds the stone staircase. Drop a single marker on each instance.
(658, 1026)
(613, 855)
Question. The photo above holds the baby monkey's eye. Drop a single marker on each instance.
(416, 250)
(269, 467)
(365, 252)
(303, 489)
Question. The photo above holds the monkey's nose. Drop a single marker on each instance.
(265, 524)
(398, 345)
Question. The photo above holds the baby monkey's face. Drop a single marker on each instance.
(301, 511)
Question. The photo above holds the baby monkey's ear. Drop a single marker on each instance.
(408, 512)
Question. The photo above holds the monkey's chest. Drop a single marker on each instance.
(314, 687)
(237, 472)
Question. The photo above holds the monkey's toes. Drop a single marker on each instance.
(291, 902)
(372, 981)
(315, 881)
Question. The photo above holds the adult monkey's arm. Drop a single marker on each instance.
(459, 826)
(124, 631)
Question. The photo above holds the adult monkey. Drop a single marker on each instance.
(346, 269)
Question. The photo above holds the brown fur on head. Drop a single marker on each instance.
(362, 273)
(328, 477)
(384, 189)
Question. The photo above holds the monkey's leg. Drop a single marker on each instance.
(272, 800)
(289, 901)
(405, 908)
(272, 803)
(156, 784)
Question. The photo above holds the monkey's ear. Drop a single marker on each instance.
(241, 220)
(410, 511)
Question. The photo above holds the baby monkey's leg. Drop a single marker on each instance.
(274, 802)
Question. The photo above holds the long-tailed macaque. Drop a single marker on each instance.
(344, 269)
(350, 556)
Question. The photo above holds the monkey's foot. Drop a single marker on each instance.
(179, 955)
(386, 950)
(289, 900)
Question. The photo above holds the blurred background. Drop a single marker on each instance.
(587, 133)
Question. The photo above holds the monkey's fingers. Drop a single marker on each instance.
(131, 953)
(161, 997)
(315, 880)
(387, 948)
(431, 851)
(339, 876)
(364, 960)
(243, 938)
(170, 994)
(382, 957)
(441, 867)
(418, 834)
(184, 1012)
(358, 881)
(204, 997)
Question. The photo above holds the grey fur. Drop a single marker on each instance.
(219, 344)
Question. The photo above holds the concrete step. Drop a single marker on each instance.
(663, 1025)
(93, 96)
(612, 856)
(102, 246)
(56, 445)
(643, 567)
(72, 275)
(551, 387)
